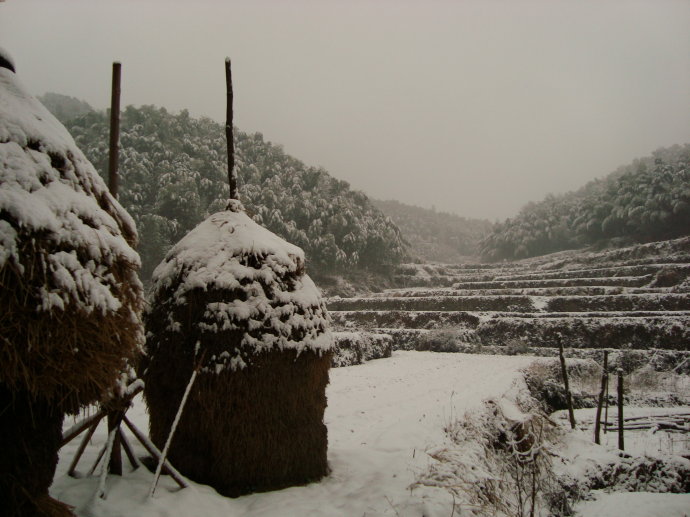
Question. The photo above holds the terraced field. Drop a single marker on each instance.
(636, 297)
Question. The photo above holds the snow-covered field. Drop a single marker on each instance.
(382, 417)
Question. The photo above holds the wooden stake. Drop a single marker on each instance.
(621, 442)
(82, 426)
(98, 459)
(115, 463)
(133, 460)
(153, 451)
(602, 393)
(114, 131)
(232, 175)
(564, 372)
(606, 405)
(173, 427)
(80, 450)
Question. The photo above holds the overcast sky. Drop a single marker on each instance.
(474, 107)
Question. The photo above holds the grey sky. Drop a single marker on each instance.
(476, 107)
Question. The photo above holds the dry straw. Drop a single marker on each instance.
(253, 421)
(70, 297)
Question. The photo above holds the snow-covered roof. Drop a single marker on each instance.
(272, 295)
(51, 193)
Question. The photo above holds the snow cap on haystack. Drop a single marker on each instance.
(274, 304)
(233, 299)
(70, 298)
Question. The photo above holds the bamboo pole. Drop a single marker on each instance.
(113, 155)
(600, 402)
(153, 451)
(166, 447)
(621, 441)
(232, 175)
(564, 373)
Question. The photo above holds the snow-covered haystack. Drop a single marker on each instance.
(70, 297)
(232, 299)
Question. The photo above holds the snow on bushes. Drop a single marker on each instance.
(352, 348)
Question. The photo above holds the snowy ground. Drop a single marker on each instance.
(382, 416)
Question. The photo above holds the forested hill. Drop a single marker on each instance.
(644, 201)
(64, 107)
(436, 236)
(174, 174)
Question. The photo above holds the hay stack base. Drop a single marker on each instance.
(30, 434)
(236, 424)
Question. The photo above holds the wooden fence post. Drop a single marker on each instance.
(564, 372)
(602, 394)
(621, 442)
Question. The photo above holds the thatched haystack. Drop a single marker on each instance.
(236, 295)
(70, 297)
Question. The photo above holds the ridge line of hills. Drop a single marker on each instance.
(173, 176)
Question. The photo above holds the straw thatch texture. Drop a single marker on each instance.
(236, 295)
(70, 297)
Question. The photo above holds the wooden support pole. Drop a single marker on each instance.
(113, 156)
(602, 394)
(153, 451)
(166, 447)
(621, 441)
(133, 460)
(82, 426)
(98, 458)
(115, 463)
(232, 175)
(73, 466)
(564, 373)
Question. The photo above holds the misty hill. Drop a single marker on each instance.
(436, 236)
(644, 201)
(174, 174)
(64, 107)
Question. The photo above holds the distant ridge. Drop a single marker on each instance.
(647, 200)
(436, 236)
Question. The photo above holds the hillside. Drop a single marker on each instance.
(436, 236)
(644, 201)
(173, 175)
(64, 107)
